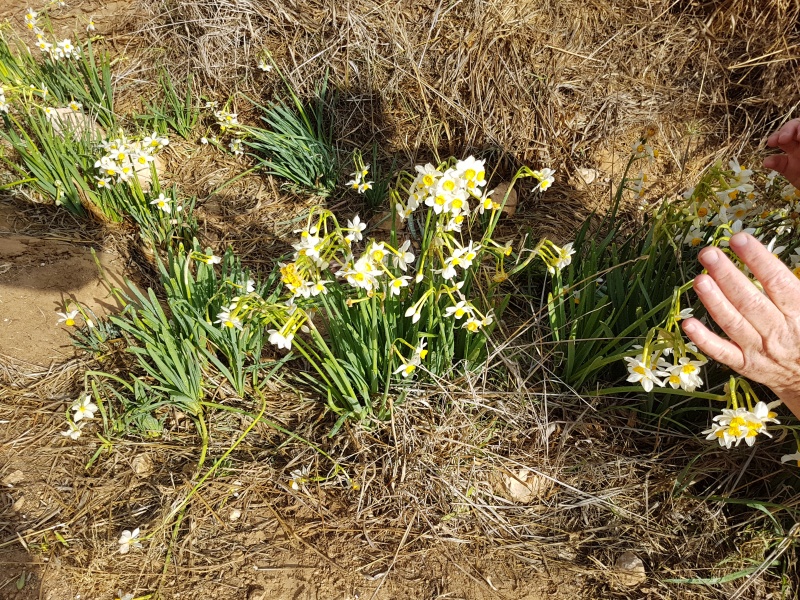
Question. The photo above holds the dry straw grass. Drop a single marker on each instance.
(535, 81)
(562, 84)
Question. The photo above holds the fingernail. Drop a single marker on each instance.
(739, 240)
(711, 257)
(704, 285)
(689, 327)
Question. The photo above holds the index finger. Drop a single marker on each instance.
(780, 284)
(786, 135)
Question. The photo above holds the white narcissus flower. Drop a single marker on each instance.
(405, 369)
(460, 309)
(795, 458)
(404, 256)
(472, 324)
(228, 321)
(564, 256)
(163, 203)
(641, 373)
(75, 106)
(281, 340)
(356, 228)
(68, 318)
(299, 477)
(685, 374)
(74, 430)
(397, 285)
(695, 237)
(264, 65)
(546, 178)
(84, 409)
(129, 539)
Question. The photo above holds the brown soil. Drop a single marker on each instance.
(38, 275)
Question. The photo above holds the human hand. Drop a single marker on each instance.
(764, 329)
(787, 138)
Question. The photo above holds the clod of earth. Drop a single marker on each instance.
(524, 487)
(629, 570)
(14, 478)
(500, 190)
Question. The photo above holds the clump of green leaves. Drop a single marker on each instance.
(177, 111)
(297, 142)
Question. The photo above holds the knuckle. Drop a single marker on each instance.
(780, 282)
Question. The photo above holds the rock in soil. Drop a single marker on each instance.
(629, 570)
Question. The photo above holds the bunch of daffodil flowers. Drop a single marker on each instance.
(738, 422)
(125, 158)
(358, 178)
(393, 305)
(228, 124)
(729, 200)
(666, 359)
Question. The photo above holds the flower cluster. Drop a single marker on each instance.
(124, 158)
(227, 122)
(359, 181)
(84, 410)
(555, 257)
(654, 370)
(728, 201)
(421, 277)
(64, 49)
(737, 424)
(666, 359)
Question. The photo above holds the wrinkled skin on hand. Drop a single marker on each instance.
(763, 329)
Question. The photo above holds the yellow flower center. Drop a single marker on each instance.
(289, 276)
(459, 313)
(428, 180)
(639, 369)
(688, 369)
(69, 322)
(378, 255)
(470, 173)
(696, 241)
(449, 185)
(702, 211)
(733, 194)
